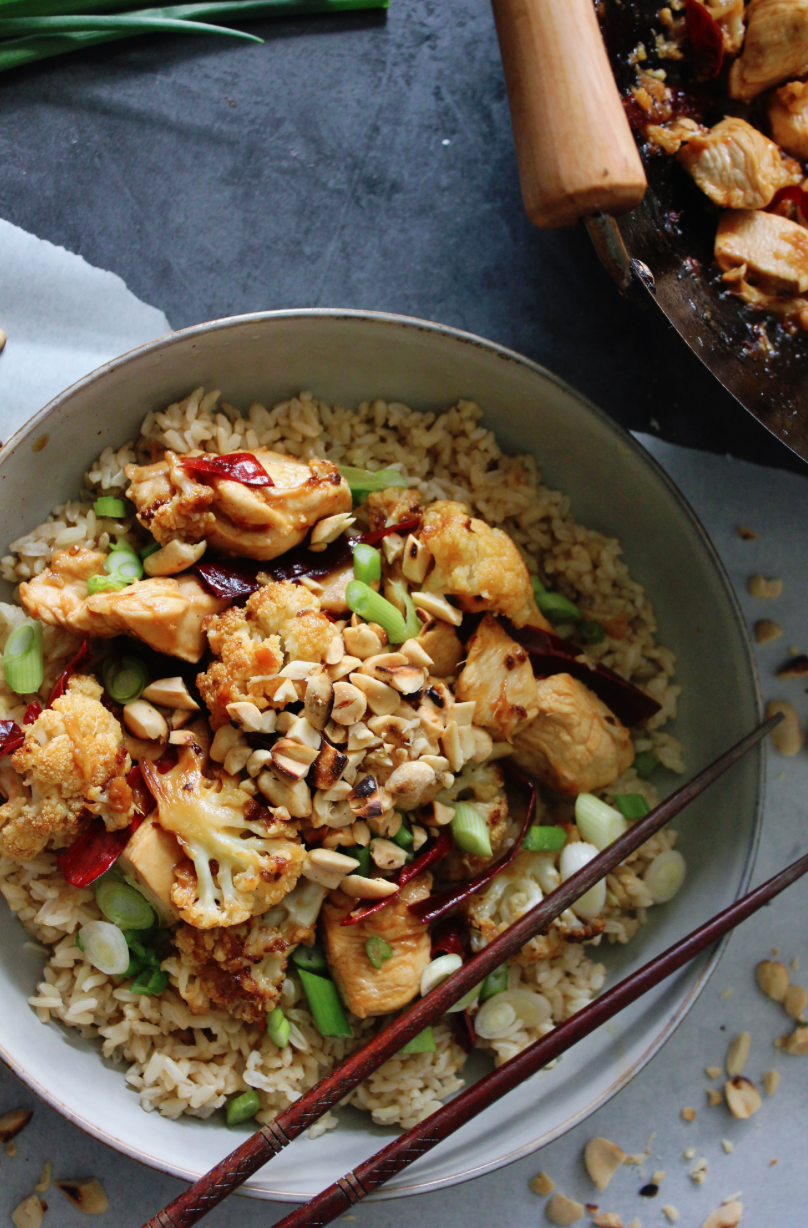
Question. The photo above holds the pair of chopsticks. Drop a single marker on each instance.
(230, 1173)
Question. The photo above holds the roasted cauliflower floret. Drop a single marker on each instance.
(575, 744)
(259, 522)
(279, 620)
(478, 565)
(393, 506)
(240, 968)
(498, 677)
(243, 861)
(165, 613)
(788, 117)
(72, 765)
(737, 166)
(775, 48)
(377, 991)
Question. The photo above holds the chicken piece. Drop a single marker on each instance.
(73, 765)
(439, 639)
(737, 166)
(165, 613)
(478, 565)
(279, 620)
(392, 506)
(150, 862)
(498, 677)
(575, 744)
(763, 249)
(240, 968)
(730, 16)
(775, 48)
(260, 522)
(243, 860)
(364, 989)
(788, 118)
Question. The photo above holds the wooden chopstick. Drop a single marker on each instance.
(408, 1147)
(231, 1172)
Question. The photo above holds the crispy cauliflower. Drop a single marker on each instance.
(243, 860)
(392, 506)
(280, 620)
(478, 565)
(72, 764)
(259, 522)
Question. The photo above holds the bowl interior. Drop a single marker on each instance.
(616, 488)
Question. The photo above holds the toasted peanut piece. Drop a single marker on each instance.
(438, 607)
(747, 534)
(2, 340)
(327, 867)
(759, 586)
(173, 558)
(170, 693)
(335, 651)
(602, 1159)
(607, 1219)
(381, 698)
(302, 731)
(224, 739)
(416, 560)
(295, 796)
(328, 766)
(386, 824)
(796, 667)
(29, 1213)
(416, 654)
(290, 758)
(236, 759)
(245, 714)
(419, 837)
(728, 1215)
(367, 800)
(45, 1178)
(12, 1122)
(258, 761)
(797, 1043)
(688, 1114)
(562, 1210)
(436, 814)
(298, 671)
(360, 833)
(742, 1096)
(450, 742)
(331, 812)
(409, 782)
(328, 530)
(88, 1196)
(541, 1185)
(738, 1053)
(144, 721)
(360, 888)
(773, 978)
(787, 736)
(350, 704)
(362, 641)
(319, 699)
(766, 631)
(795, 1001)
(386, 854)
(183, 737)
(393, 547)
(346, 665)
(713, 1072)
(771, 1082)
(714, 1096)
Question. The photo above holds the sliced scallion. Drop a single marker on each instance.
(554, 607)
(424, 1042)
(106, 584)
(377, 950)
(107, 505)
(470, 830)
(645, 764)
(496, 982)
(466, 1001)
(278, 1028)
(124, 906)
(665, 875)
(150, 981)
(105, 947)
(598, 822)
(310, 958)
(367, 563)
(362, 855)
(362, 481)
(23, 658)
(632, 805)
(573, 858)
(243, 1107)
(541, 839)
(376, 609)
(125, 678)
(325, 1006)
(438, 970)
(591, 631)
(404, 837)
(124, 564)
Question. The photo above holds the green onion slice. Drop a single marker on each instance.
(598, 823)
(23, 658)
(645, 764)
(404, 837)
(376, 609)
(362, 855)
(591, 631)
(544, 839)
(377, 950)
(632, 805)
(470, 830)
(108, 506)
(278, 1028)
(125, 678)
(362, 481)
(150, 981)
(243, 1107)
(325, 1006)
(367, 563)
(310, 958)
(105, 947)
(466, 1001)
(106, 584)
(665, 875)
(424, 1042)
(554, 607)
(496, 982)
(124, 906)
(124, 564)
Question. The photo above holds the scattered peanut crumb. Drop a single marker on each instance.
(714, 1097)
(738, 1053)
(727, 1145)
(602, 1159)
(772, 1163)
(670, 1213)
(635, 1223)
(759, 586)
(45, 1178)
(689, 1153)
(89, 1196)
(766, 630)
(732, 1198)
(797, 1043)
(2, 340)
(797, 667)
(713, 1072)
(607, 1219)
(748, 535)
(698, 1172)
(637, 1160)
(743, 1097)
(563, 1211)
(29, 1213)
(773, 979)
(688, 1114)
(349, 1217)
(11, 1150)
(726, 993)
(787, 736)
(795, 1001)
(542, 1185)
(795, 964)
(771, 1081)
(728, 1215)
(659, 1177)
(794, 651)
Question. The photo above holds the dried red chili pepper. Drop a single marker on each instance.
(60, 686)
(706, 39)
(451, 937)
(463, 1029)
(97, 849)
(435, 852)
(32, 711)
(444, 902)
(240, 467)
(794, 193)
(11, 737)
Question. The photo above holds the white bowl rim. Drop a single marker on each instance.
(626, 439)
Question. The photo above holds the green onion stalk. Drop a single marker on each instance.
(24, 658)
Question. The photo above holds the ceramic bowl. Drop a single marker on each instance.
(615, 487)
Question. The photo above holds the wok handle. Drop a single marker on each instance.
(574, 147)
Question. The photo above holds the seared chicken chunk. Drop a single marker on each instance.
(730, 16)
(165, 613)
(575, 744)
(377, 991)
(775, 48)
(765, 250)
(737, 166)
(279, 620)
(498, 677)
(478, 565)
(440, 641)
(73, 765)
(259, 522)
(240, 968)
(788, 117)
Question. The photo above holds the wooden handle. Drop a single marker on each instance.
(574, 147)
